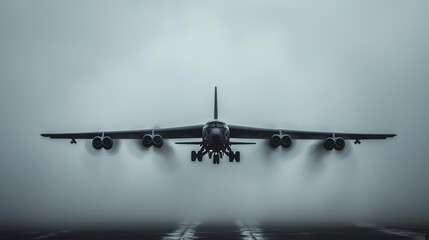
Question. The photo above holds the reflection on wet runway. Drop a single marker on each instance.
(227, 230)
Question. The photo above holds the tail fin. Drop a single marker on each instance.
(215, 104)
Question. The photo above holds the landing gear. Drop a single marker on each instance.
(193, 156)
(237, 156)
(216, 156)
(233, 156)
(197, 155)
(216, 159)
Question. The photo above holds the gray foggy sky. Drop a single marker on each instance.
(355, 66)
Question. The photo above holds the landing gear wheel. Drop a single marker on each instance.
(216, 159)
(193, 156)
(200, 156)
(231, 157)
(237, 156)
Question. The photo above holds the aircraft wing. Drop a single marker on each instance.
(194, 131)
(266, 133)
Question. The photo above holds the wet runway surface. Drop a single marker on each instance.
(227, 230)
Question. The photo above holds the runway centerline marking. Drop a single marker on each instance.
(250, 231)
(185, 231)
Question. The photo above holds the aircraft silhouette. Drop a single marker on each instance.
(216, 137)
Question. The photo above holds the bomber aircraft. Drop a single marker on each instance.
(216, 137)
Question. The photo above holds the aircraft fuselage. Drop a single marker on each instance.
(215, 137)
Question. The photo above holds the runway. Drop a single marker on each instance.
(227, 230)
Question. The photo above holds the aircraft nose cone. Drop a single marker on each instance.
(215, 135)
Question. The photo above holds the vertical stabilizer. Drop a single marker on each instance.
(215, 104)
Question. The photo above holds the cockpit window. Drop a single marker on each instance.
(216, 124)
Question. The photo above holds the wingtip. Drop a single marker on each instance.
(391, 135)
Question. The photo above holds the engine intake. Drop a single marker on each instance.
(107, 143)
(339, 144)
(157, 141)
(97, 143)
(147, 140)
(286, 141)
(275, 141)
(329, 143)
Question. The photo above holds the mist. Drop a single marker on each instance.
(309, 65)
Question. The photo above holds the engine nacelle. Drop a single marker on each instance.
(339, 144)
(329, 143)
(147, 140)
(157, 141)
(275, 141)
(107, 143)
(97, 143)
(286, 141)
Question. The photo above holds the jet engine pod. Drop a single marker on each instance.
(275, 140)
(97, 143)
(147, 140)
(286, 141)
(329, 143)
(107, 143)
(339, 144)
(157, 140)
